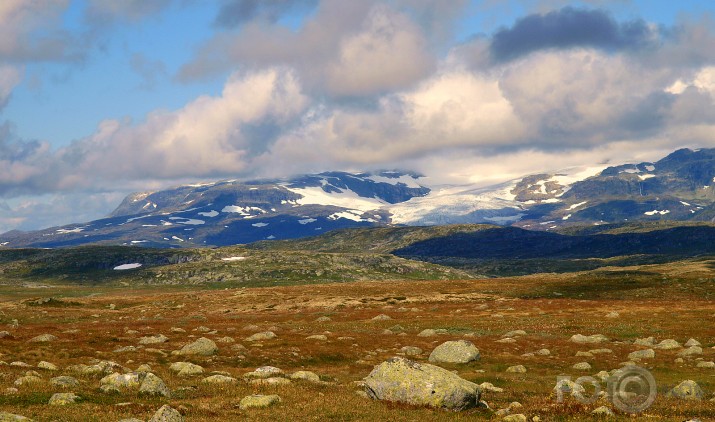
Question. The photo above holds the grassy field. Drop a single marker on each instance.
(665, 301)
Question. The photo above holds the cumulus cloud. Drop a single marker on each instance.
(358, 48)
(567, 28)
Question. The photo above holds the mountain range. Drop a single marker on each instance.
(680, 187)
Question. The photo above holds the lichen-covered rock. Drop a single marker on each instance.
(43, 338)
(642, 354)
(64, 382)
(28, 380)
(167, 414)
(155, 386)
(271, 381)
(258, 400)
(594, 338)
(582, 366)
(687, 390)
(668, 344)
(459, 351)
(186, 369)
(47, 366)
(264, 372)
(305, 376)
(691, 351)
(219, 379)
(517, 369)
(63, 399)
(404, 381)
(262, 336)
(201, 347)
(411, 351)
(161, 338)
(517, 417)
(11, 417)
(116, 382)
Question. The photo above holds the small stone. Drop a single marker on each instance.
(517, 417)
(154, 339)
(62, 399)
(506, 340)
(305, 376)
(167, 414)
(668, 344)
(488, 386)
(201, 347)
(219, 379)
(595, 338)
(543, 352)
(323, 319)
(581, 354)
(613, 314)
(11, 417)
(382, 317)
(271, 381)
(648, 342)
(691, 351)
(47, 366)
(692, 342)
(64, 382)
(582, 366)
(642, 354)
(320, 337)
(186, 369)
(259, 401)
(603, 411)
(43, 338)
(518, 369)
(459, 351)
(708, 365)
(514, 333)
(262, 336)
(411, 351)
(28, 380)
(265, 372)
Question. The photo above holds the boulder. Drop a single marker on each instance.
(63, 399)
(258, 400)
(167, 414)
(459, 351)
(687, 390)
(668, 344)
(262, 336)
(161, 338)
(154, 386)
(116, 382)
(186, 369)
(265, 372)
(11, 417)
(43, 338)
(305, 376)
(642, 354)
(201, 347)
(219, 379)
(64, 382)
(594, 338)
(404, 381)
(518, 369)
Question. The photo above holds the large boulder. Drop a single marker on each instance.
(186, 369)
(116, 382)
(687, 390)
(592, 339)
(154, 386)
(459, 351)
(258, 400)
(201, 347)
(404, 381)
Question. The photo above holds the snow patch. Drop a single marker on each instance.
(189, 221)
(405, 179)
(654, 212)
(177, 238)
(74, 230)
(212, 213)
(574, 206)
(233, 258)
(566, 217)
(685, 203)
(259, 224)
(307, 221)
(127, 266)
(646, 176)
(344, 199)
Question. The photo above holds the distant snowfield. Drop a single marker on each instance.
(127, 266)
(233, 258)
(346, 199)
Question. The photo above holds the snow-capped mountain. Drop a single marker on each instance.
(679, 187)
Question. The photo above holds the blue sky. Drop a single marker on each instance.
(103, 97)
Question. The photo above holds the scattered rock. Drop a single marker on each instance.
(161, 338)
(458, 351)
(116, 382)
(518, 369)
(382, 317)
(603, 411)
(63, 399)
(305, 376)
(219, 379)
(47, 366)
(402, 380)
(324, 319)
(582, 366)
(10, 417)
(613, 314)
(264, 372)
(320, 337)
(167, 414)
(43, 338)
(265, 335)
(201, 347)
(411, 351)
(708, 365)
(258, 400)
(581, 354)
(687, 390)
(28, 380)
(595, 338)
(64, 382)
(692, 342)
(642, 354)
(271, 381)
(488, 386)
(648, 342)
(543, 352)
(517, 417)
(514, 333)
(186, 369)
(154, 386)
(691, 351)
(668, 344)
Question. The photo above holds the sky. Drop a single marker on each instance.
(100, 98)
